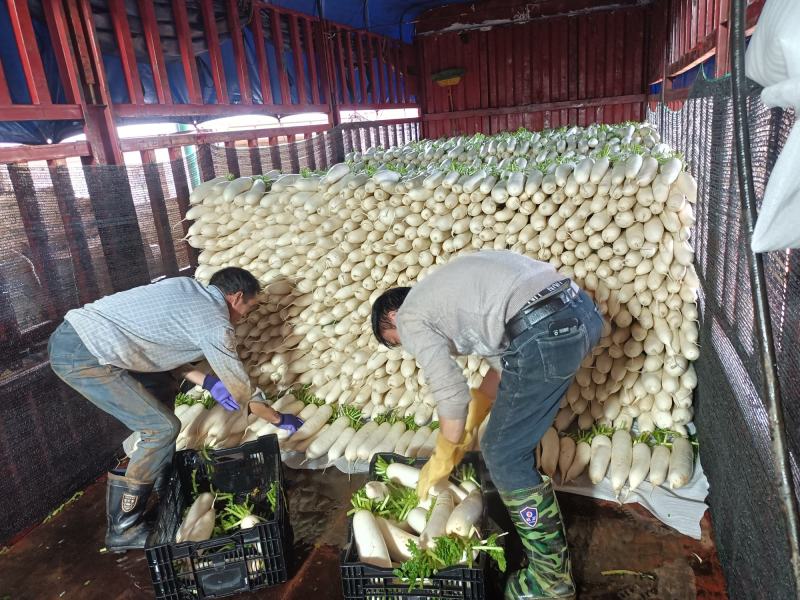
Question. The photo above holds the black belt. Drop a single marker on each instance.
(547, 302)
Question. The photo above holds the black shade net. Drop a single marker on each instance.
(731, 415)
(72, 233)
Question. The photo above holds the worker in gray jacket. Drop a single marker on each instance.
(535, 327)
(118, 351)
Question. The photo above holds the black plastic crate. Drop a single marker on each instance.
(243, 560)
(361, 581)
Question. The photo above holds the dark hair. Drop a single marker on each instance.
(388, 301)
(233, 279)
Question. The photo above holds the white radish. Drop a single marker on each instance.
(583, 452)
(659, 463)
(621, 457)
(376, 490)
(337, 449)
(365, 450)
(323, 442)
(566, 455)
(369, 541)
(640, 465)
(427, 448)
(436, 526)
(550, 450)
(202, 528)
(466, 515)
(680, 463)
(388, 443)
(600, 457)
(402, 444)
(351, 451)
(201, 505)
(396, 540)
(417, 518)
(403, 474)
(312, 424)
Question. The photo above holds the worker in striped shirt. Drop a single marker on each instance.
(125, 354)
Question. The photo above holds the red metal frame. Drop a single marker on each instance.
(119, 17)
(25, 38)
(235, 32)
(261, 56)
(214, 53)
(277, 40)
(180, 17)
(214, 137)
(152, 38)
(297, 54)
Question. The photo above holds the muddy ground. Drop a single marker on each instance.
(618, 552)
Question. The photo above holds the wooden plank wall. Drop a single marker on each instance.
(686, 33)
(547, 72)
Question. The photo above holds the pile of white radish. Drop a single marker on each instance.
(609, 206)
(659, 456)
(393, 528)
(204, 423)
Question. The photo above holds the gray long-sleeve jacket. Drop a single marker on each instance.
(162, 326)
(462, 308)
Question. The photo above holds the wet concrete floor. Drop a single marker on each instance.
(618, 552)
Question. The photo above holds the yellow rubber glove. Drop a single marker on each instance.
(479, 407)
(445, 457)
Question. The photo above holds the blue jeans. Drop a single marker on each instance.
(141, 401)
(538, 367)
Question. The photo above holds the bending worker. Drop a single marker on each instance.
(116, 352)
(535, 327)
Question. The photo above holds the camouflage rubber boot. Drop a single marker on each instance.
(535, 514)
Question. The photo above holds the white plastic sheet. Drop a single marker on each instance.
(773, 60)
(681, 509)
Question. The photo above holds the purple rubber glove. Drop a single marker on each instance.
(219, 392)
(290, 423)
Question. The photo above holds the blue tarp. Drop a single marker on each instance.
(393, 19)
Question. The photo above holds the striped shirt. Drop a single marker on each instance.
(161, 326)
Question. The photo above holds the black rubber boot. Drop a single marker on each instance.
(126, 501)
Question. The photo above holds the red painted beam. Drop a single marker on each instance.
(214, 53)
(379, 44)
(39, 112)
(378, 106)
(261, 56)
(377, 96)
(58, 28)
(84, 54)
(277, 40)
(339, 57)
(362, 67)
(24, 153)
(351, 83)
(678, 95)
(127, 56)
(25, 38)
(132, 111)
(152, 38)
(181, 19)
(361, 125)
(297, 53)
(212, 137)
(551, 106)
(5, 96)
(308, 32)
(235, 32)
